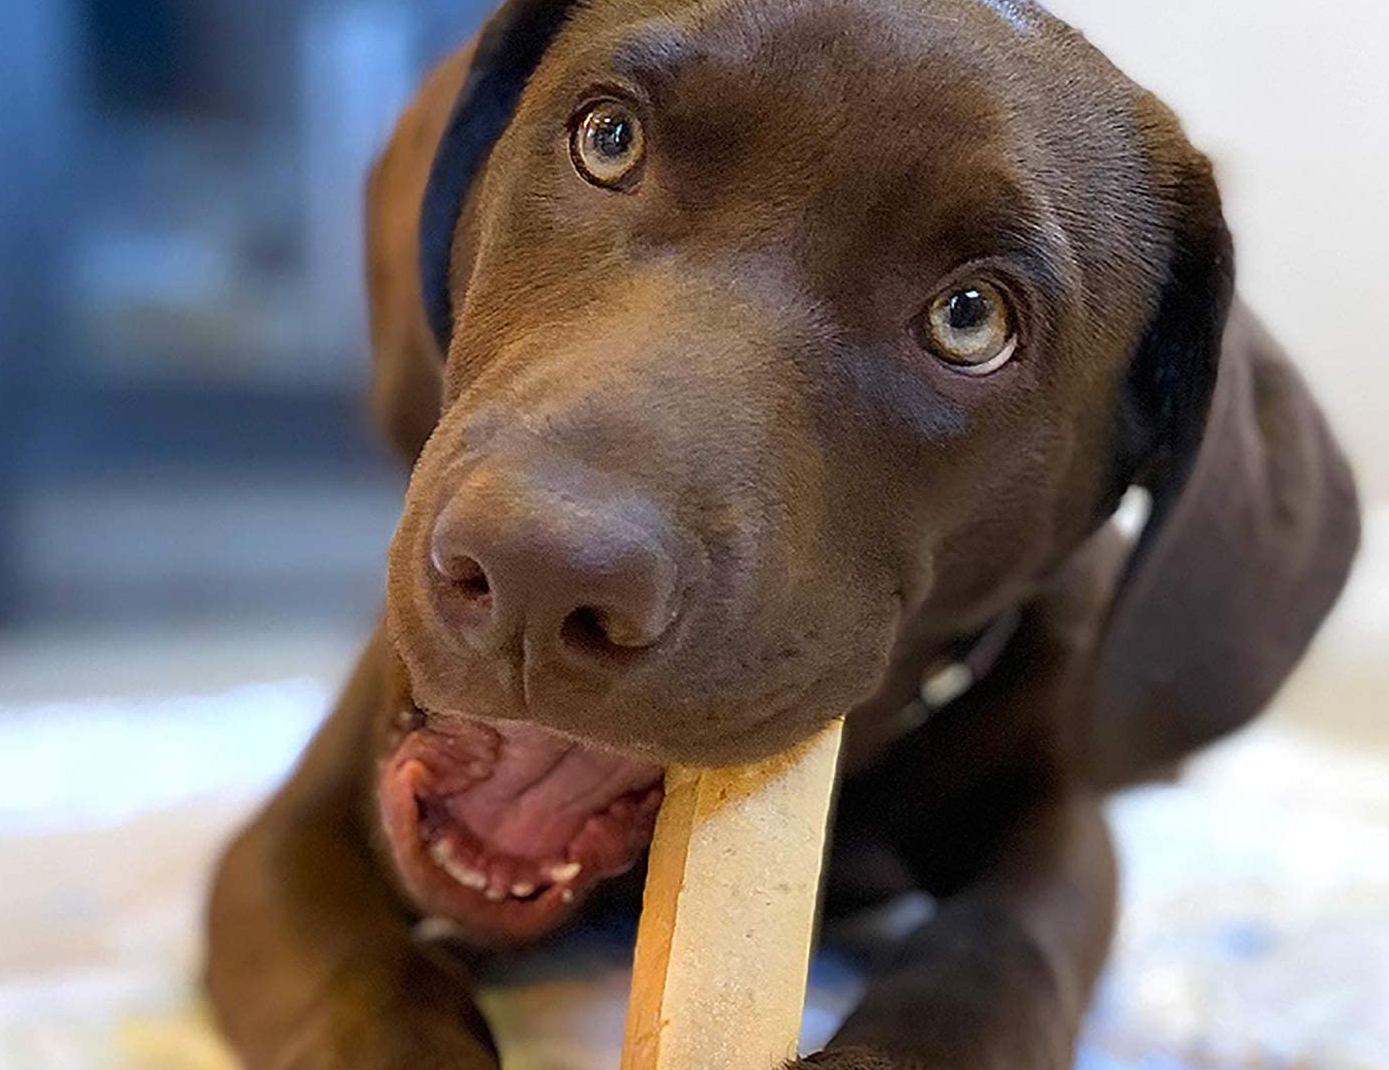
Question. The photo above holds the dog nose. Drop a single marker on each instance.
(587, 577)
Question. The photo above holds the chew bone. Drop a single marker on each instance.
(718, 981)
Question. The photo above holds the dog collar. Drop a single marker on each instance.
(950, 675)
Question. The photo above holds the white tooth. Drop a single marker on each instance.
(496, 895)
(441, 851)
(567, 895)
(521, 889)
(463, 874)
(471, 878)
(565, 872)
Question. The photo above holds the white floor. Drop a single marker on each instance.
(1256, 905)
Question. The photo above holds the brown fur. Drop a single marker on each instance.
(717, 361)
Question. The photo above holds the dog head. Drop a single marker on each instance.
(747, 335)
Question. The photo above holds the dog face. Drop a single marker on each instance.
(763, 343)
(777, 327)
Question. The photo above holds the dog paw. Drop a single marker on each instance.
(394, 1052)
(364, 1038)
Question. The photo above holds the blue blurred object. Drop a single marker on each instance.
(181, 299)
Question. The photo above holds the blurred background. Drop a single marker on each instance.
(183, 433)
(194, 510)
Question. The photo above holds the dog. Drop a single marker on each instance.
(761, 362)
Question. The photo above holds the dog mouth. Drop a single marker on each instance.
(503, 827)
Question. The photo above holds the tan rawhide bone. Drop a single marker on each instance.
(718, 981)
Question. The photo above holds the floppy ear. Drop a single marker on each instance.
(416, 193)
(1254, 519)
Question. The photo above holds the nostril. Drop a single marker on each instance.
(468, 575)
(474, 579)
(600, 633)
(583, 628)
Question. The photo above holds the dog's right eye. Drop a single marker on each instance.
(608, 143)
(970, 327)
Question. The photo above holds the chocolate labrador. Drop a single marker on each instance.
(762, 361)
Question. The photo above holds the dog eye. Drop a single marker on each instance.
(970, 328)
(608, 143)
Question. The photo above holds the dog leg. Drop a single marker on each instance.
(312, 964)
(999, 977)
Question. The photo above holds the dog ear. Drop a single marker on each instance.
(416, 193)
(1254, 519)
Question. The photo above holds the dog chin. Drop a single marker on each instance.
(503, 827)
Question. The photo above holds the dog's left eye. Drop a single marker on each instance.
(608, 143)
(971, 328)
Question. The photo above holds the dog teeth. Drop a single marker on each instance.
(442, 852)
(469, 878)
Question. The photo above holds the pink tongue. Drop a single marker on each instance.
(542, 789)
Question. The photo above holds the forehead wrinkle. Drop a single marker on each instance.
(628, 39)
(737, 33)
(1016, 217)
(651, 50)
(615, 42)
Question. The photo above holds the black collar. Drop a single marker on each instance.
(951, 674)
